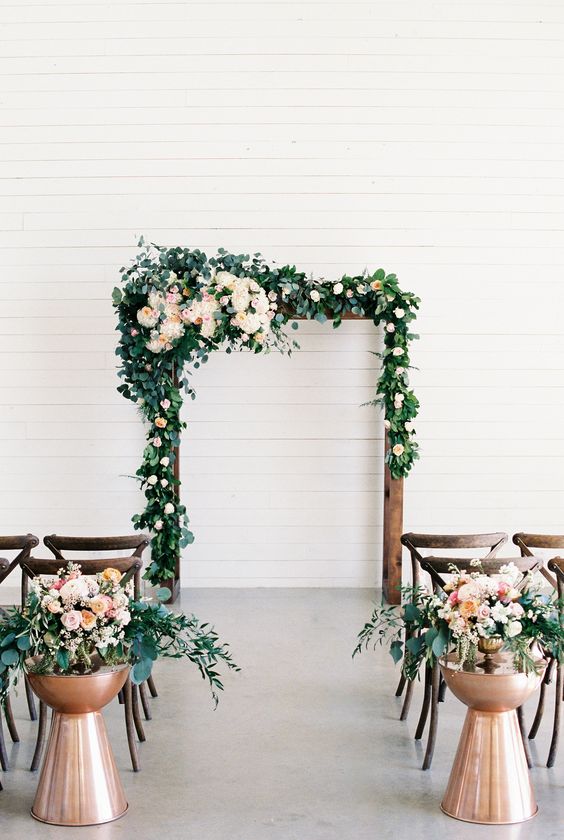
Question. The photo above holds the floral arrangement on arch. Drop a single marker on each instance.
(510, 606)
(75, 623)
(176, 305)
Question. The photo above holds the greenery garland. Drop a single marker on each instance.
(176, 305)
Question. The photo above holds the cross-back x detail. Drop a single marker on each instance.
(525, 542)
(23, 544)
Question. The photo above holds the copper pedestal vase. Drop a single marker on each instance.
(79, 782)
(489, 782)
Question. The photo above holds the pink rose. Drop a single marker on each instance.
(517, 610)
(502, 589)
(157, 442)
(453, 598)
(111, 614)
(57, 585)
(71, 620)
(165, 404)
(134, 332)
(483, 612)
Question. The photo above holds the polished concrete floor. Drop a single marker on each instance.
(305, 745)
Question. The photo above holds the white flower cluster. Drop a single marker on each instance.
(242, 299)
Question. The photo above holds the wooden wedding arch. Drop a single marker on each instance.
(176, 305)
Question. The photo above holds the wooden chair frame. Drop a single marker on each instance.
(434, 690)
(551, 542)
(130, 567)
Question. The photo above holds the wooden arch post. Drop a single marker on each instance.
(392, 525)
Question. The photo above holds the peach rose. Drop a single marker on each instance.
(376, 285)
(160, 422)
(88, 619)
(71, 619)
(54, 606)
(112, 575)
(468, 608)
(100, 604)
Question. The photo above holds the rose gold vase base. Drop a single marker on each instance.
(79, 782)
(489, 782)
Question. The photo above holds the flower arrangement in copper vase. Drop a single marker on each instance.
(509, 610)
(73, 622)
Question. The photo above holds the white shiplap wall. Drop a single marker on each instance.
(423, 137)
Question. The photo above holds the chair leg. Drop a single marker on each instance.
(435, 683)
(130, 726)
(135, 711)
(11, 723)
(152, 687)
(3, 754)
(442, 690)
(401, 686)
(143, 694)
(523, 728)
(426, 703)
(539, 712)
(556, 727)
(41, 731)
(410, 685)
(30, 697)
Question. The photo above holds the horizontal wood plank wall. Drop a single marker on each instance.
(423, 137)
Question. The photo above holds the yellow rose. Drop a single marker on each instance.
(88, 619)
(112, 575)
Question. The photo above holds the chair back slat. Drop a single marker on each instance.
(37, 566)
(414, 542)
(436, 567)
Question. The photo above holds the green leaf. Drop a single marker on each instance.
(24, 643)
(10, 656)
(440, 643)
(411, 613)
(414, 645)
(141, 671)
(7, 640)
(163, 593)
(116, 296)
(62, 658)
(396, 651)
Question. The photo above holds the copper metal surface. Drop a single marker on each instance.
(489, 782)
(79, 782)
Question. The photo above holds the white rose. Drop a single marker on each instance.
(387, 425)
(390, 328)
(147, 316)
(398, 449)
(158, 526)
(165, 461)
(272, 295)
(164, 482)
(514, 628)
(361, 289)
(409, 426)
(398, 351)
(399, 398)
(337, 288)
(152, 480)
(169, 508)
(314, 295)
(74, 590)
(399, 313)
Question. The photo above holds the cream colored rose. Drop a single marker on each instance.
(398, 449)
(337, 288)
(314, 295)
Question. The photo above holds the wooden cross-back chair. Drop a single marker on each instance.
(556, 565)
(553, 543)
(23, 544)
(130, 567)
(433, 690)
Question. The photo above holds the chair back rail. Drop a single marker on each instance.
(57, 543)
(414, 542)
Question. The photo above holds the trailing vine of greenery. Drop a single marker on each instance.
(176, 305)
